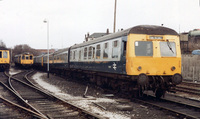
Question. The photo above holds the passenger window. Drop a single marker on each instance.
(74, 55)
(93, 53)
(105, 51)
(85, 53)
(5, 54)
(115, 50)
(70, 55)
(90, 52)
(143, 48)
(79, 54)
(0, 54)
(98, 52)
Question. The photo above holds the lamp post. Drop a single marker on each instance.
(115, 16)
(46, 21)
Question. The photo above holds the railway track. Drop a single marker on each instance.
(189, 87)
(181, 107)
(45, 104)
(12, 106)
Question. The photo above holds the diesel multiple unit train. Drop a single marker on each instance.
(144, 57)
(24, 60)
(4, 59)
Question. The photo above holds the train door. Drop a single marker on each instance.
(123, 56)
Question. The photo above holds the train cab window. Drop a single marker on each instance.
(143, 48)
(0, 54)
(31, 57)
(98, 52)
(27, 57)
(168, 49)
(23, 57)
(115, 51)
(105, 51)
(5, 54)
(85, 53)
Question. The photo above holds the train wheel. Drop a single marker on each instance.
(159, 92)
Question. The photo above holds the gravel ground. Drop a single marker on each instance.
(97, 101)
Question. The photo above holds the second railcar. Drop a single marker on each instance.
(24, 60)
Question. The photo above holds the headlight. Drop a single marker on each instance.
(173, 68)
(139, 68)
(177, 79)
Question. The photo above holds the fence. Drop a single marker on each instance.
(191, 67)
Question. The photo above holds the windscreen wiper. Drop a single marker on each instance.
(169, 45)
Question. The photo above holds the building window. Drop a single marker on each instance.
(105, 51)
(98, 52)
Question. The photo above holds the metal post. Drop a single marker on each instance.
(46, 21)
(115, 16)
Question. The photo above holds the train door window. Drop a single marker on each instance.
(124, 48)
(85, 53)
(5, 54)
(168, 49)
(31, 57)
(27, 57)
(98, 52)
(115, 49)
(0, 54)
(105, 51)
(143, 48)
(90, 53)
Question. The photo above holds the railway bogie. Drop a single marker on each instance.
(140, 58)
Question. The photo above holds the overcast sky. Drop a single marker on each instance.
(21, 21)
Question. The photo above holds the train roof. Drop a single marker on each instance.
(3, 48)
(141, 29)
